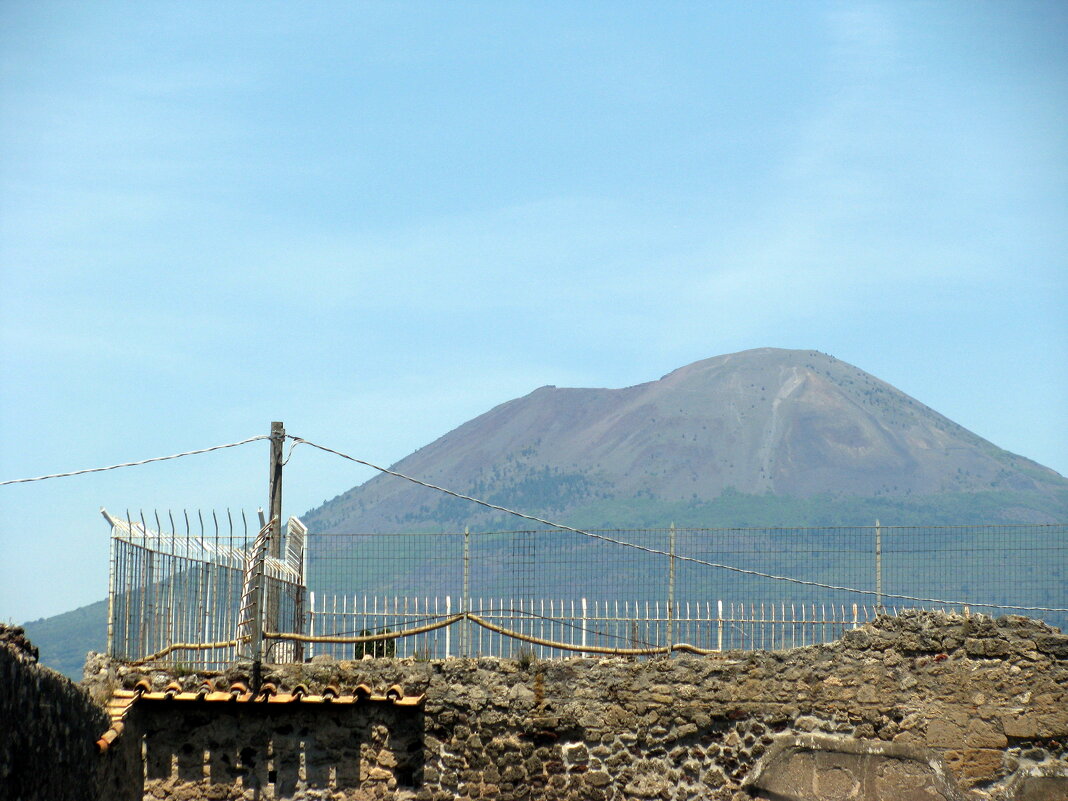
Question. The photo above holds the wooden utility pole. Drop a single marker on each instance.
(270, 603)
(274, 538)
(278, 438)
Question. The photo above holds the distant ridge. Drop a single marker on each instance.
(764, 437)
(799, 427)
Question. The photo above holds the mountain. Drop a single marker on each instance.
(765, 437)
(65, 639)
(761, 437)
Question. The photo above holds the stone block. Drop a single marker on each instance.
(843, 769)
(598, 778)
(1042, 788)
(685, 730)
(387, 759)
(984, 734)
(835, 782)
(575, 753)
(513, 774)
(1055, 645)
(868, 694)
(904, 780)
(944, 734)
(987, 648)
(974, 765)
(377, 774)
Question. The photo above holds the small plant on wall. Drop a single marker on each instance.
(377, 648)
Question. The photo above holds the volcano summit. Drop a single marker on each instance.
(760, 437)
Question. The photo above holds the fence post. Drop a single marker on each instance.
(465, 629)
(299, 615)
(448, 629)
(148, 599)
(878, 566)
(584, 624)
(270, 592)
(111, 585)
(719, 627)
(671, 590)
(311, 622)
(131, 569)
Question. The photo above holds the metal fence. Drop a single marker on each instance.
(552, 593)
(582, 625)
(176, 590)
(725, 588)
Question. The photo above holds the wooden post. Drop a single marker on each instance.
(271, 591)
(266, 610)
(278, 438)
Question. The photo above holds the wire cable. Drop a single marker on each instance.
(292, 448)
(646, 549)
(134, 464)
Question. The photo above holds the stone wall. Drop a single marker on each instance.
(48, 732)
(921, 707)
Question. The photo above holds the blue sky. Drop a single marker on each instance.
(374, 221)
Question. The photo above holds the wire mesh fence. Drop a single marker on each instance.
(785, 586)
(181, 584)
(554, 593)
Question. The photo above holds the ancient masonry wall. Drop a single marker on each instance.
(922, 707)
(48, 732)
(915, 708)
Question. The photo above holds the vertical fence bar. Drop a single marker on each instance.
(112, 557)
(878, 565)
(719, 625)
(585, 622)
(671, 588)
(130, 570)
(448, 629)
(167, 612)
(148, 597)
(465, 601)
(311, 622)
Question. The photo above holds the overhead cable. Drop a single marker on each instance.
(134, 464)
(646, 549)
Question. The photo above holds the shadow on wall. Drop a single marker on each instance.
(280, 752)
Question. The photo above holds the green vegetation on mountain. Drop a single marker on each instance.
(64, 640)
(736, 509)
(762, 438)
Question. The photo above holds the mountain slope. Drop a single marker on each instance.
(65, 639)
(760, 438)
(791, 424)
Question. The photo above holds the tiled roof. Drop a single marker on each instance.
(238, 693)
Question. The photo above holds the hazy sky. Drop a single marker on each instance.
(374, 221)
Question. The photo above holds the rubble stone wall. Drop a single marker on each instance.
(48, 732)
(920, 707)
